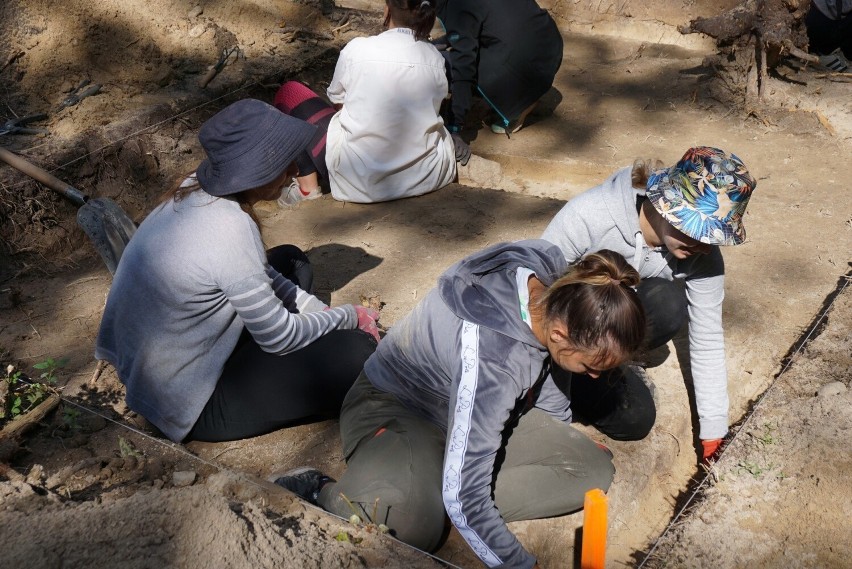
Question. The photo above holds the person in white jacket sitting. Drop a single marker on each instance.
(387, 139)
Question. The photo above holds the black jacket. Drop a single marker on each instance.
(510, 50)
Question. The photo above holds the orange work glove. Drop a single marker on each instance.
(712, 449)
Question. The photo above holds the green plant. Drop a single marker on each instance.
(12, 402)
(34, 394)
(348, 538)
(756, 469)
(23, 393)
(768, 438)
(48, 369)
(356, 520)
(70, 417)
(15, 407)
(126, 448)
(751, 467)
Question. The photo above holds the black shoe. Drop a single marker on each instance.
(305, 482)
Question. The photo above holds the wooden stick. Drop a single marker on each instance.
(208, 77)
(339, 28)
(22, 423)
(796, 52)
(763, 74)
(98, 371)
(593, 555)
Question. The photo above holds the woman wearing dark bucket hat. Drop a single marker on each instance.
(213, 338)
(668, 223)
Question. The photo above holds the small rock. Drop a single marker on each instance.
(829, 389)
(480, 172)
(195, 12)
(130, 463)
(196, 31)
(183, 478)
(163, 76)
(154, 468)
(36, 475)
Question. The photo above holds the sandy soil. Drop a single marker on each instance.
(630, 86)
(780, 494)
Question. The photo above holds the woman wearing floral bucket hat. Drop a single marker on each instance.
(214, 338)
(669, 223)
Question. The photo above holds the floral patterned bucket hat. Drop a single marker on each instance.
(704, 195)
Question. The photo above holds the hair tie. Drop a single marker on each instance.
(425, 3)
(616, 282)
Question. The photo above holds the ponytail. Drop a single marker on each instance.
(642, 169)
(418, 15)
(598, 304)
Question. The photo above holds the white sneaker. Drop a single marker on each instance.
(835, 61)
(293, 195)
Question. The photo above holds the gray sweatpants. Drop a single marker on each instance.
(394, 477)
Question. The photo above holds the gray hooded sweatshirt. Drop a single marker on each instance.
(466, 358)
(605, 217)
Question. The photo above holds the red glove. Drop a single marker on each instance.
(712, 449)
(367, 320)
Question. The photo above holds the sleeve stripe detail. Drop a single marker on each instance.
(275, 329)
(454, 461)
(248, 293)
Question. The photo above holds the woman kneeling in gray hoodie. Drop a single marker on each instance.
(457, 412)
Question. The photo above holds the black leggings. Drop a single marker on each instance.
(620, 405)
(259, 392)
(825, 35)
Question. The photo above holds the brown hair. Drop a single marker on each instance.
(642, 170)
(418, 15)
(599, 306)
(178, 191)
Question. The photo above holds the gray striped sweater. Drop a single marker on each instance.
(193, 277)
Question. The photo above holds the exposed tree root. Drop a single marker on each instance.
(753, 37)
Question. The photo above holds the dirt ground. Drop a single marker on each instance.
(85, 490)
(780, 493)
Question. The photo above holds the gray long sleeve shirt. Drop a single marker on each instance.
(464, 358)
(605, 217)
(192, 278)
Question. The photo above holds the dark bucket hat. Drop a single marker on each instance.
(704, 195)
(248, 144)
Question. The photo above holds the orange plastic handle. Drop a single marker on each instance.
(593, 553)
